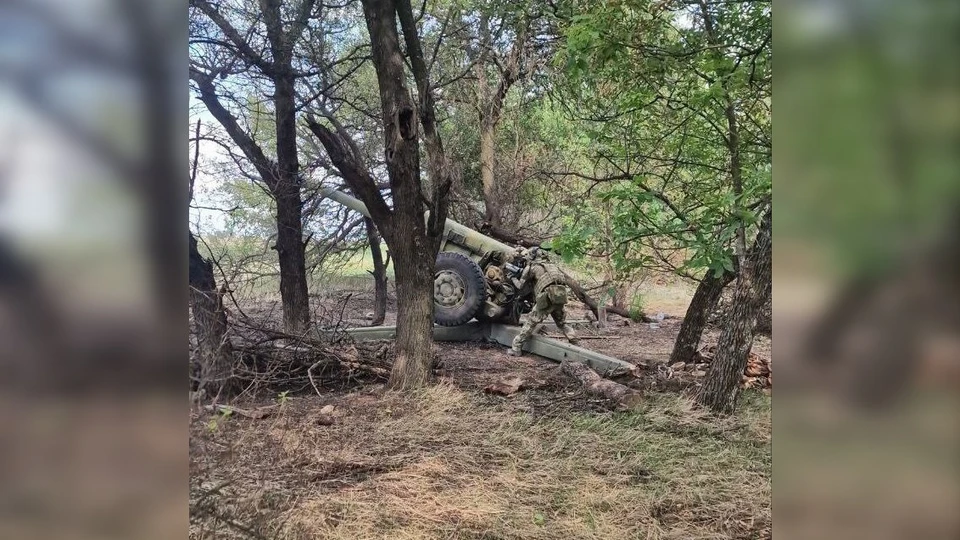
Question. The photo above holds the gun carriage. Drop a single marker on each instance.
(473, 276)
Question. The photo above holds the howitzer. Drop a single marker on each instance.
(473, 276)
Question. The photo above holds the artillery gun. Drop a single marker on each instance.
(473, 279)
(473, 274)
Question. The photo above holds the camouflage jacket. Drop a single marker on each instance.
(542, 275)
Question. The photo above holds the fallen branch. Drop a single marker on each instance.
(594, 384)
(256, 414)
(594, 307)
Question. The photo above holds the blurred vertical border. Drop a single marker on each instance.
(867, 269)
(93, 218)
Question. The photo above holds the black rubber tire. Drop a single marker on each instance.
(474, 289)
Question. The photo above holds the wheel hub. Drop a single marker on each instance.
(448, 289)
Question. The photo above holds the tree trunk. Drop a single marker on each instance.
(491, 100)
(721, 387)
(488, 129)
(698, 312)
(290, 246)
(412, 243)
(290, 252)
(214, 353)
(379, 274)
(414, 351)
(507, 236)
(765, 317)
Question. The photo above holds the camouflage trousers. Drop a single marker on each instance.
(541, 310)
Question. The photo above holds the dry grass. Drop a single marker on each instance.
(453, 464)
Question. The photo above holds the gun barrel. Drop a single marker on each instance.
(471, 240)
(456, 233)
(345, 200)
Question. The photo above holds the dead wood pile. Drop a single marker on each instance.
(757, 374)
(267, 359)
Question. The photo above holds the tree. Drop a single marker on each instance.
(705, 299)
(486, 57)
(711, 286)
(263, 51)
(499, 55)
(379, 273)
(214, 352)
(413, 240)
(721, 386)
(704, 302)
(679, 116)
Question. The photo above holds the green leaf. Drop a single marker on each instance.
(727, 264)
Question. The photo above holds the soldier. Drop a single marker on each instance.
(550, 294)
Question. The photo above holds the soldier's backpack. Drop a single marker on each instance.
(557, 294)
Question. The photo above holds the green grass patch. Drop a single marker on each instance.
(450, 464)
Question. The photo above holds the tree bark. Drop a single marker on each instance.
(721, 387)
(214, 352)
(698, 312)
(765, 317)
(286, 191)
(379, 274)
(291, 255)
(491, 203)
(414, 351)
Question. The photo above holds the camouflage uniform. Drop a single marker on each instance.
(550, 293)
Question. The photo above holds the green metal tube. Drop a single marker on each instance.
(464, 237)
(345, 200)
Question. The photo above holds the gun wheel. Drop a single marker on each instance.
(459, 289)
(448, 289)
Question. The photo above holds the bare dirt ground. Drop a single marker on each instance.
(454, 462)
(476, 365)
